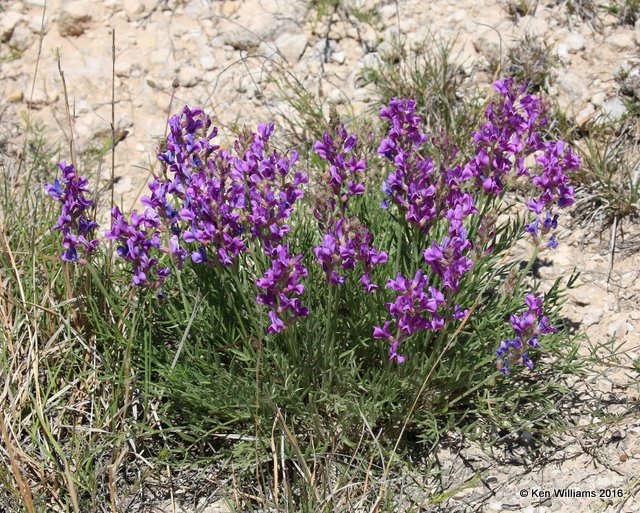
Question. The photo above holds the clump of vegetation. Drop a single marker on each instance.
(533, 61)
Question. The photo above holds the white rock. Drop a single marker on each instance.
(636, 32)
(613, 109)
(249, 29)
(618, 328)
(572, 89)
(585, 114)
(562, 52)
(574, 42)
(133, 8)
(8, 22)
(598, 99)
(189, 76)
(591, 316)
(207, 59)
(75, 18)
(22, 38)
(35, 3)
(339, 57)
(621, 40)
(292, 46)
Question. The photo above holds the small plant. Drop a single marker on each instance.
(519, 8)
(532, 60)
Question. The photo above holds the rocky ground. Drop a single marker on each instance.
(223, 56)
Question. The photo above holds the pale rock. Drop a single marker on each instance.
(8, 22)
(140, 147)
(588, 294)
(621, 40)
(133, 8)
(336, 97)
(41, 97)
(249, 29)
(35, 24)
(585, 114)
(562, 52)
(572, 90)
(15, 96)
(636, 32)
(35, 3)
(292, 46)
(488, 44)
(613, 109)
(574, 41)
(268, 50)
(619, 328)
(387, 14)
(189, 76)
(160, 55)
(592, 315)
(634, 315)
(339, 57)
(598, 99)
(207, 59)
(22, 38)
(75, 18)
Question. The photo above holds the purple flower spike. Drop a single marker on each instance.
(72, 223)
(528, 326)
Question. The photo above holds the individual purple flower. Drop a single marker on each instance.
(528, 326)
(76, 229)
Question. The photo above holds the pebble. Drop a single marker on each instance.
(574, 42)
(591, 316)
(75, 18)
(15, 96)
(613, 109)
(292, 46)
(619, 328)
(8, 22)
(621, 40)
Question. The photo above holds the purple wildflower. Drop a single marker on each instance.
(528, 326)
(76, 229)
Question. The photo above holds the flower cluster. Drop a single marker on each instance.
(216, 202)
(528, 326)
(346, 241)
(555, 161)
(135, 241)
(511, 133)
(282, 286)
(76, 229)
(413, 309)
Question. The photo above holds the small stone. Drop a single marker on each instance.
(8, 22)
(621, 40)
(623, 457)
(562, 51)
(574, 42)
(618, 328)
(598, 99)
(617, 435)
(75, 18)
(190, 76)
(572, 88)
(292, 46)
(591, 316)
(15, 96)
(585, 114)
(636, 32)
(613, 109)
(208, 60)
(339, 57)
(336, 97)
